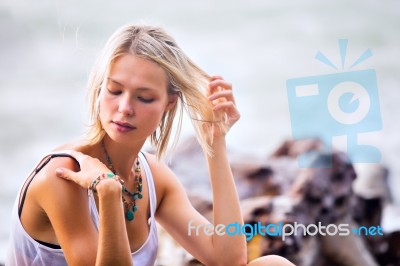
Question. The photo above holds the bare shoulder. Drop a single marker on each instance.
(159, 169)
(54, 207)
(47, 181)
(47, 173)
(164, 178)
(76, 145)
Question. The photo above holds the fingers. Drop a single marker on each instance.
(230, 109)
(214, 77)
(219, 84)
(87, 162)
(71, 176)
(90, 168)
(227, 94)
(64, 173)
(220, 90)
(224, 106)
(80, 157)
(222, 99)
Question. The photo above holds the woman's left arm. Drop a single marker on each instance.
(226, 207)
(178, 216)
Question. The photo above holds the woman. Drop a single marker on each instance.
(141, 80)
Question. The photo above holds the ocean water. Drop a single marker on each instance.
(48, 47)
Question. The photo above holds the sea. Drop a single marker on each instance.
(47, 48)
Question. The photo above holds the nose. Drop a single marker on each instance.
(125, 107)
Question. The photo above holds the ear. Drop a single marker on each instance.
(172, 99)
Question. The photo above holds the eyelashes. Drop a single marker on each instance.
(145, 100)
(114, 92)
(140, 98)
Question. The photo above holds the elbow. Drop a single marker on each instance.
(242, 261)
(232, 261)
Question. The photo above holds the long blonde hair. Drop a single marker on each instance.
(185, 79)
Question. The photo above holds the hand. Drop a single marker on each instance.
(224, 106)
(91, 168)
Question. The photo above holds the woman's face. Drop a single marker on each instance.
(135, 99)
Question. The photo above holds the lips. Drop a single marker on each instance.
(123, 126)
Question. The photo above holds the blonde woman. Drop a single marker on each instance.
(95, 201)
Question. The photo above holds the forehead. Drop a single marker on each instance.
(133, 71)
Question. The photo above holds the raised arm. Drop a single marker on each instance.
(181, 220)
(225, 199)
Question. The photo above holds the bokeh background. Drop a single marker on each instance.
(47, 48)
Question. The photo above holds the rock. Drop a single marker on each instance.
(350, 250)
(324, 194)
(372, 182)
(267, 210)
(276, 190)
(293, 148)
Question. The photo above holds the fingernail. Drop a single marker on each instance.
(59, 172)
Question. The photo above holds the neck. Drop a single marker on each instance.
(122, 156)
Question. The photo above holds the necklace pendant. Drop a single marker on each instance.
(130, 207)
(129, 215)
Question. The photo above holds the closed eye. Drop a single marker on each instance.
(114, 92)
(145, 100)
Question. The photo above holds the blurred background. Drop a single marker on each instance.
(47, 48)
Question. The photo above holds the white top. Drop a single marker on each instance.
(24, 250)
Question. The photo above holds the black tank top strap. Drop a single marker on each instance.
(49, 245)
(42, 164)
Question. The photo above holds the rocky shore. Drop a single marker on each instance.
(332, 193)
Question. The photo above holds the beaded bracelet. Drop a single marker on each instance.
(97, 180)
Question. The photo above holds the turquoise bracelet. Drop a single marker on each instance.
(97, 180)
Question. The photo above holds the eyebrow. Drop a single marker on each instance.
(114, 81)
(122, 85)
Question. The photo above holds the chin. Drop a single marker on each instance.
(119, 139)
(126, 139)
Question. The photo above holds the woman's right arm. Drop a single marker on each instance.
(66, 205)
(113, 246)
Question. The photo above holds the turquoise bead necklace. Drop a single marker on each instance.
(130, 207)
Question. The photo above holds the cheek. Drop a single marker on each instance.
(106, 105)
(105, 111)
(153, 113)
